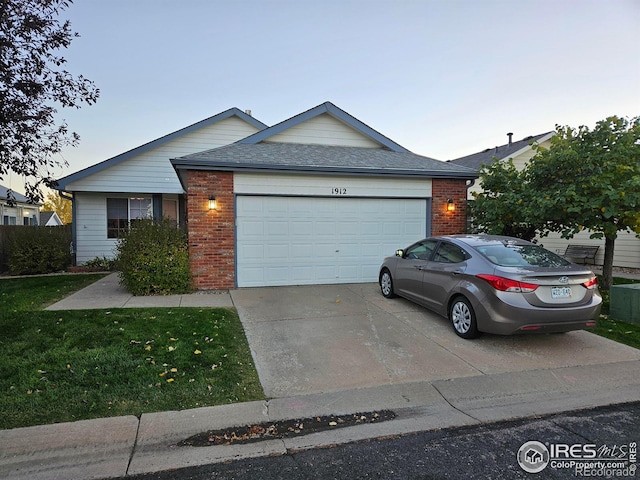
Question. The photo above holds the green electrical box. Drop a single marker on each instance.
(625, 302)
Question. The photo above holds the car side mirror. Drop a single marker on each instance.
(400, 253)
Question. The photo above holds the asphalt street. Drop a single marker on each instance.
(577, 441)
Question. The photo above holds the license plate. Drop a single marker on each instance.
(560, 292)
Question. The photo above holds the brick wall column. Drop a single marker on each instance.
(211, 232)
(443, 221)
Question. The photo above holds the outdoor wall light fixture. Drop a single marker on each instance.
(212, 203)
(451, 207)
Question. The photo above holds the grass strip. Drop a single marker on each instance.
(73, 365)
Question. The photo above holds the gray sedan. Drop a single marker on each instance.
(493, 284)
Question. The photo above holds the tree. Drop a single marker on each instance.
(590, 179)
(504, 206)
(60, 205)
(32, 84)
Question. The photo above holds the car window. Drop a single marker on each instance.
(421, 251)
(521, 256)
(449, 253)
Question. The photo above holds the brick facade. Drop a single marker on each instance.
(443, 221)
(211, 232)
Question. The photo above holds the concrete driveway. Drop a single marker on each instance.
(314, 339)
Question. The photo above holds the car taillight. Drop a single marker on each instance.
(507, 284)
(591, 283)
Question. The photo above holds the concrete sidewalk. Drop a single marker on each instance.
(413, 365)
(108, 293)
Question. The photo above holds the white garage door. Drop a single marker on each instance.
(306, 240)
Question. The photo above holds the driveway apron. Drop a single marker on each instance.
(312, 339)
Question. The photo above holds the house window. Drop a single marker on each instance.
(8, 220)
(122, 212)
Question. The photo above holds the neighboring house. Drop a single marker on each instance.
(627, 249)
(318, 198)
(50, 219)
(22, 213)
(520, 151)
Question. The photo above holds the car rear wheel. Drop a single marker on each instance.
(463, 318)
(386, 284)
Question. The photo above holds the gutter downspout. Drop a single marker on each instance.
(73, 224)
(471, 183)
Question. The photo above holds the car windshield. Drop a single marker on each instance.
(511, 255)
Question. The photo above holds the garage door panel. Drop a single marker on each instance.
(277, 228)
(299, 251)
(278, 252)
(252, 228)
(349, 227)
(324, 228)
(325, 250)
(253, 275)
(275, 205)
(306, 240)
(253, 252)
(390, 228)
(301, 228)
(370, 271)
(349, 273)
(325, 273)
(302, 274)
(276, 273)
(415, 228)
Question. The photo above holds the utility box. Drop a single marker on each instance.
(625, 302)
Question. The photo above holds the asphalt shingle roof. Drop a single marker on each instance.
(320, 158)
(17, 196)
(488, 156)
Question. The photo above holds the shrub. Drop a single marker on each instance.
(153, 259)
(103, 264)
(35, 250)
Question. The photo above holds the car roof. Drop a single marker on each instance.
(475, 240)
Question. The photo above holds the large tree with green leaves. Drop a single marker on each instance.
(590, 179)
(504, 207)
(33, 84)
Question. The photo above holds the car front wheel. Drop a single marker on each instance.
(386, 284)
(463, 318)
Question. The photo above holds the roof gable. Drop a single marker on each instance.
(118, 159)
(509, 150)
(49, 219)
(275, 132)
(4, 193)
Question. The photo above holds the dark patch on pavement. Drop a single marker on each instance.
(283, 429)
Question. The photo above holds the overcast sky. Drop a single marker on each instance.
(444, 78)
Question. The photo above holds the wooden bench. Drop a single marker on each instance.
(585, 252)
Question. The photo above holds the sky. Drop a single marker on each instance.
(443, 78)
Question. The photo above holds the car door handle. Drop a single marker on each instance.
(418, 267)
(456, 272)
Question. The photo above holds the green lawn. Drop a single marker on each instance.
(71, 365)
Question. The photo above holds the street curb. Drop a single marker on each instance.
(115, 447)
